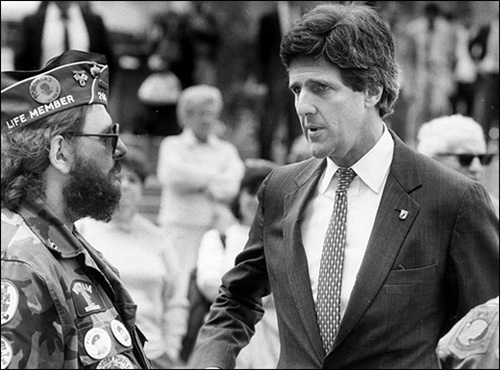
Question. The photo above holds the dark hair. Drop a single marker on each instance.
(256, 170)
(355, 39)
(25, 154)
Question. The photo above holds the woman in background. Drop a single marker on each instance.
(147, 264)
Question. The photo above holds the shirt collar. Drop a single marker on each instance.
(372, 168)
(50, 229)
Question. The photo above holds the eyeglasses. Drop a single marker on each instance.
(465, 160)
(114, 135)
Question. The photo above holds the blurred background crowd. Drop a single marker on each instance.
(448, 53)
(449, 65)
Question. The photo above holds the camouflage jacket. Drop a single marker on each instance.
(63, 304)
(473, 342)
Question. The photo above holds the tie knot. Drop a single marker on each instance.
(346, 175)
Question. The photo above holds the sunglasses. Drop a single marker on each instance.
(465, 160)
(113, 135)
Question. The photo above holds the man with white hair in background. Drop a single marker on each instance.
(457, 142)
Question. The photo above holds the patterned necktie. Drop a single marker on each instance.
(332, 262)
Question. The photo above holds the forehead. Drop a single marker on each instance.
(305, 68)
(97, 119)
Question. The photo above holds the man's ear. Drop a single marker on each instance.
(60, 154)
(373, 95)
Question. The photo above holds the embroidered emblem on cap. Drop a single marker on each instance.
(7, 353)
(81, 77)
(45, 89)
(97, 343)
(95, 70)
(10, 301)
(115, 362)
(121, 333)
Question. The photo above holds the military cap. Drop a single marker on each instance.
(72, 79)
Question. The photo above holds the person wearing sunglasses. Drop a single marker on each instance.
(459, 143)
(61, 155)
(111, 136)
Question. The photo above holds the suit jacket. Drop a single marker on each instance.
(271, 70)
(419, 274)
(279, 104)
(29, 52)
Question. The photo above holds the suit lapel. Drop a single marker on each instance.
(391, 226)
(297, 267)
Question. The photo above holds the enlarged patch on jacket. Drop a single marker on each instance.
(475, 333)
(86, 298)
(115, 362)
(10, 301)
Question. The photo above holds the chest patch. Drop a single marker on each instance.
(115, 362)
(86, 298)
(10, 301)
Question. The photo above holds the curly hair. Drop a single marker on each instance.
(356, 40)
(25, 155)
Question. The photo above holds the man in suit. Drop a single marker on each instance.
(278, 106)
(421, 241)
(484, 48)
(58, 26)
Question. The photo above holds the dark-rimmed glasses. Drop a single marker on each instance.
(465, 160)
(114, 135)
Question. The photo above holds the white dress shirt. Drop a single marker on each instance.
(363, 199)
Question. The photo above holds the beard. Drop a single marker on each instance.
(90, 193)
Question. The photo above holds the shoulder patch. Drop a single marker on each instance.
(10, 300)
(475, 333)
(86, 298)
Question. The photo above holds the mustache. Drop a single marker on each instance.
(116, 169)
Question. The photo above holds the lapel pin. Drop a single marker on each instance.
(403, 214)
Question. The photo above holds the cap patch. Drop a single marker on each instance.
(45, 89)
(81, 77)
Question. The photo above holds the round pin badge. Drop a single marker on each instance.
(7, 353)
(115, 362)
(10, 301)
(45, 89)
(121, 333)
(97, 343)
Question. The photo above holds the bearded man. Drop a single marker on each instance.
(60, 163)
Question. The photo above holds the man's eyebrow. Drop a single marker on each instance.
(108, 129)
(292, 85)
